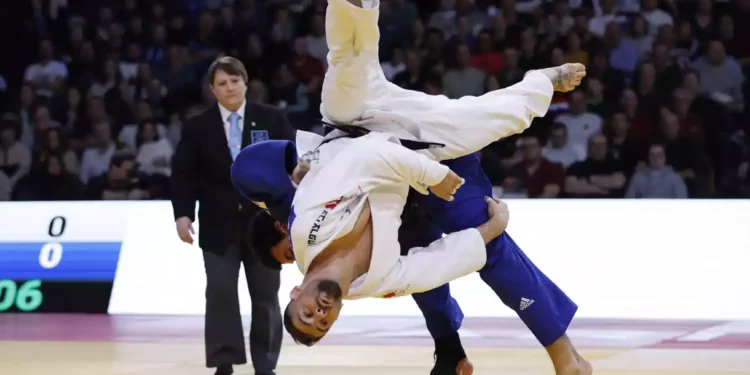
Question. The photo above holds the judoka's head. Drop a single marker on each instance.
(266, 174)
(270, 240)
(312, 310)
(262, 173)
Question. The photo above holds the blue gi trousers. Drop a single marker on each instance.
(540, 304)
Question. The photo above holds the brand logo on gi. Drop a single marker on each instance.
(397, 293)
(313, 235)
(525, 302)
(312, 157)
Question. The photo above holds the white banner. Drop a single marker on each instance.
(640, 259)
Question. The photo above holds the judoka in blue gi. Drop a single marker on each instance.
(262, 173)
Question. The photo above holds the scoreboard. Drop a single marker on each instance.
(60, 260)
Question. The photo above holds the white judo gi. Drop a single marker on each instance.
(377, 169)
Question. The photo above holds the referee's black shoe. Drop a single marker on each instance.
(224, 370)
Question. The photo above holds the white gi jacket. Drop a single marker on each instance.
(377, 169)
(347, 172)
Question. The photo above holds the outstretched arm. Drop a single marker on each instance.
(455, 255)
(382, 161)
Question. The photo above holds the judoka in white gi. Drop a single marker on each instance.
(340, 244)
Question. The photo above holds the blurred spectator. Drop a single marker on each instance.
(444, 19)
(640, 123)
(464, 79)
(124, 64)
(128, 135)
(606, 13)
(25, 112)
(685, 47)
(721, 76)
(623, 52)
(308, 69)
(50, 181)
(6, 188)
(47, 76)
(537, 176)
(581, 123)
(639, 33)
(108, 77)
(703, 20)
(316, 40)
(54, 145)
(42, 121)
(598, 176)
(156, 52)
(743, 176)
(463, 35)
(70, 113)
(396, 19)
(511, 72)
(15, 157)
(684, 155)
(411, 78)
(659, 180)
(154, 152)
(612, 79)
(573, 51)
(596, 98)
(118, 182)
(179, 75)
(96, 159)
(655, 17)
(3, 91)
(395, 64)
(648, 96)
(559, 150)
(290, 95)
(487, 58)
(623, 150)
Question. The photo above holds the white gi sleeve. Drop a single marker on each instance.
(424, 268)
(388, 162)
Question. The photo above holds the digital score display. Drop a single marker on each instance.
(24, 297)
(57, 275)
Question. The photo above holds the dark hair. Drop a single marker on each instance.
(531, 135)
(139, 135)
(120, 158)
(656, 144)
(229, 65)
(558, 126)
(12, 122)
(298, 336)
(62, 140)
(263, 236)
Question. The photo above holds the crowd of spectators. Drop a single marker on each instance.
(93, 94)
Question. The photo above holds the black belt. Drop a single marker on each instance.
(357, 131)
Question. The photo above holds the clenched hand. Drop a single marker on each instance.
(448, 187)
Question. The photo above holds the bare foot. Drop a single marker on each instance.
(583, 367)
(465, 367)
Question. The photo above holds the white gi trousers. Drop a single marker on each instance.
(356, 92)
